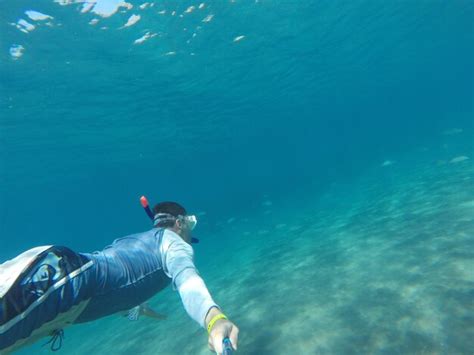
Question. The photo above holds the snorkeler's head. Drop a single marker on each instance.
(173, 216)
(166, 213)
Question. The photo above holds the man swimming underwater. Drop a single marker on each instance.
(48, 288)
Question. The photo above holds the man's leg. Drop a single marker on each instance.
(44, 298)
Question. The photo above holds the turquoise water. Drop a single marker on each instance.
(325, 146)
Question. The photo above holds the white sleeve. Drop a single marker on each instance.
(177, 257)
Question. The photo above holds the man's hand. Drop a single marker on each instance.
(222, 328)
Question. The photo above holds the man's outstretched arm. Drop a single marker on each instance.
(197, 301)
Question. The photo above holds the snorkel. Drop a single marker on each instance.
(146, 207)
(149, 212)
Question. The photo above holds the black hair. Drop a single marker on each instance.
(172, 208)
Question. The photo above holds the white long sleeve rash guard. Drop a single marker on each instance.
(177, 257)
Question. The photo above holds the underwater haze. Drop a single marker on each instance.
(326, 148)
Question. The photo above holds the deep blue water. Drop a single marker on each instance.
(316, 93)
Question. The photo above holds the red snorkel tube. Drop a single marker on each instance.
(146, 207)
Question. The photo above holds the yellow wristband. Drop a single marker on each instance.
(214, 320)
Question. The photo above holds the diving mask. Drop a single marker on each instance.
(190, 221)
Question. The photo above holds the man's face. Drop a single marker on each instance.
(187, 235)
(184, 231)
